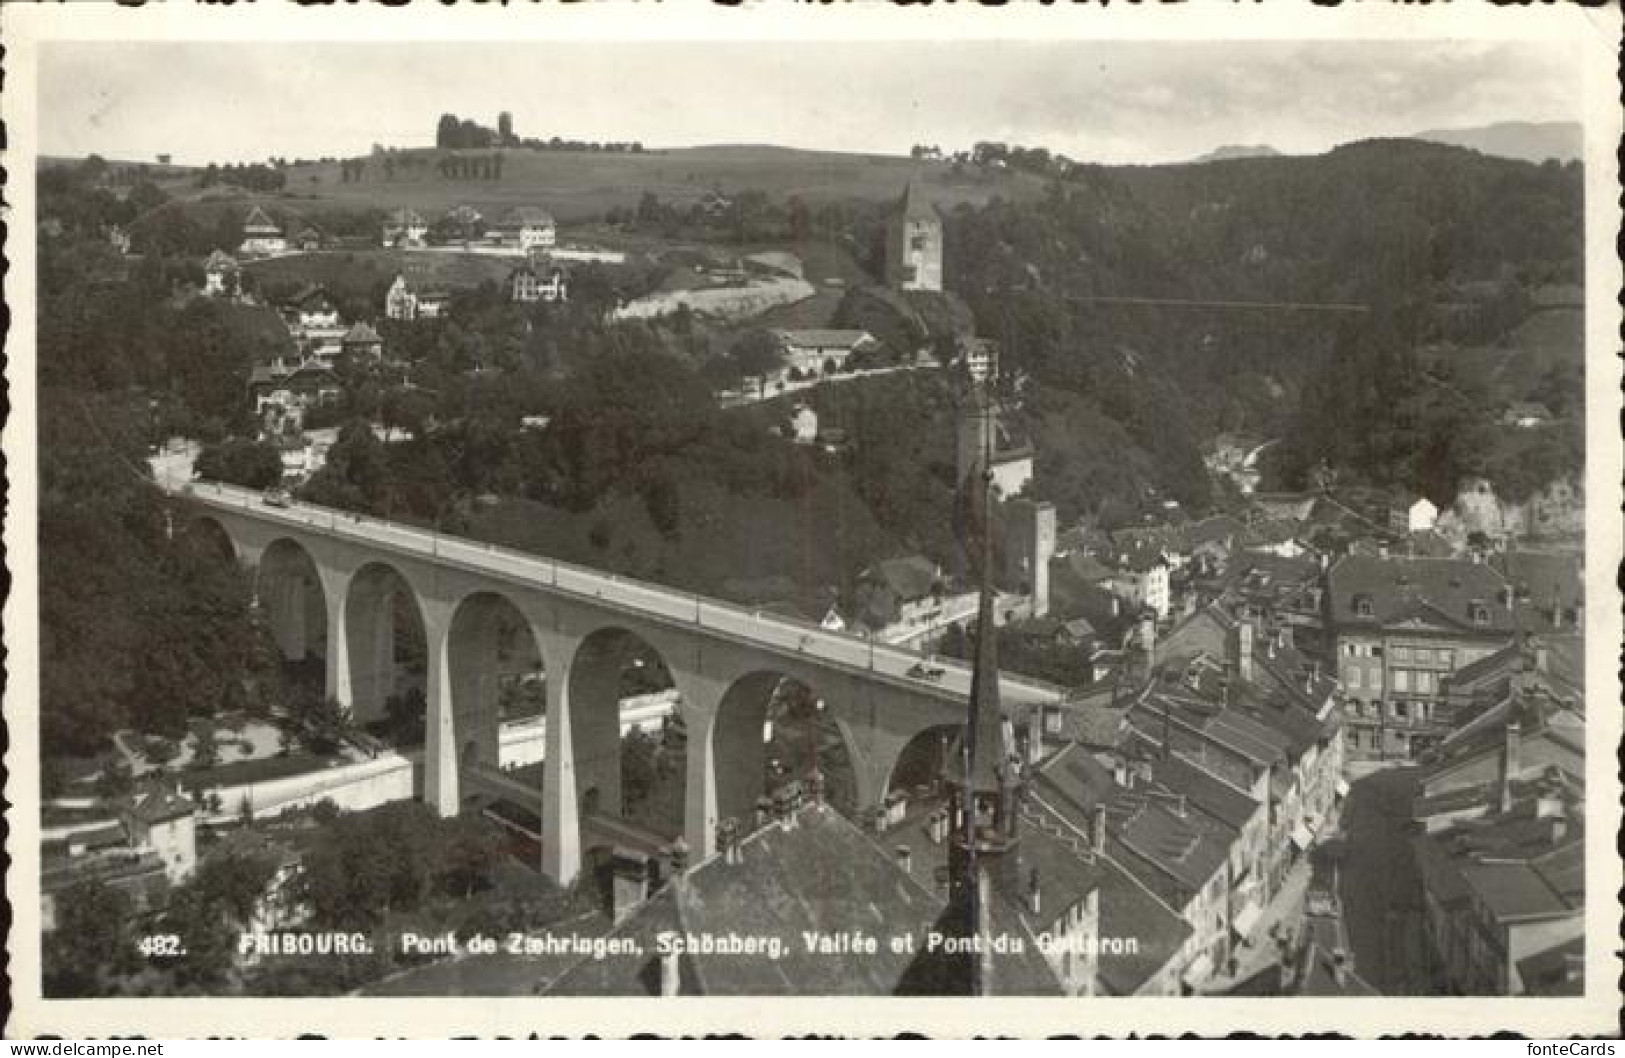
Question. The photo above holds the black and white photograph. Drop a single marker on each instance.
(977, 508)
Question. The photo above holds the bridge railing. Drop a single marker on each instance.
(778, 630)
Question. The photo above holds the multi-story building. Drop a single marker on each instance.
(1502, 852)
(1398, 627)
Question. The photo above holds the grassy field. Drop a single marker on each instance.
(578, 186)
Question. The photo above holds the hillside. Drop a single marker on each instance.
(580, 185)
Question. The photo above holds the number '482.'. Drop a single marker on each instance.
(160, 945)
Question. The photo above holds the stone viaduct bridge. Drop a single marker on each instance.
(336, 581)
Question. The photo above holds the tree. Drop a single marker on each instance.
(92, 941)
(240, 461)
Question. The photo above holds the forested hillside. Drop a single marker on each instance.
(1440, 246)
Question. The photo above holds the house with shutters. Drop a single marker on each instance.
(527, 284)
(1398, 628)
(526, 228)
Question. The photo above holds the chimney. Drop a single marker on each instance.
(1097, 834)
(1121, 774)
(1035, 896)
(671, 975)
(904, 857)
(1542, 659)
(1035, 742)
(1244, 650)
(1511, 760)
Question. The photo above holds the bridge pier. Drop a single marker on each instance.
(440, 731)
(561, 814)
(335, 589)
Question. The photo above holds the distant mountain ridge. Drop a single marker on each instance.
(1237, 150)
(1527, 141)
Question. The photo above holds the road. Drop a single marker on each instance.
(777, 633)
(1381, 885)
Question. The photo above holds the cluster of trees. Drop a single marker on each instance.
(470, 167)
(250, 177)
(992, 155)
(391, 869)
(455, 133)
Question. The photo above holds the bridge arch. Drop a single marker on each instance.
(497, 674)
(384, 630)
(921, 760)
(772, 729)
(618, 679)
(288, 589)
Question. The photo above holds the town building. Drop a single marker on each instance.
(818, 352)
(526, 228)
(405, 229)
(261, 236)
(1398, 627)
(362, 344)
(1411, 514)
(159, 818)
(914, 244)
(221, 276)
(1502, 850)
(527, 284)
(310, 239)
(406, 301)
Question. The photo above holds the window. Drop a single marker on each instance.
(1362, 605)
(1402, 679)
(1376, 652)
(1481, 612)
(918, 241)
(1355, 676)
(1447, 658)
(1399, 711)
(1424, 682)
(1402, 654)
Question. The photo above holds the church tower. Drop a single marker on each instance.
(983, 774)
(914, 244)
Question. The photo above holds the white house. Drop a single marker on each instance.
(821, 351)
(528, 228)
(261, 236)
(160, 818)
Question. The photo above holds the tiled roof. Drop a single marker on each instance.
(913, 206)
(154, 803)
(1205, 790)
(1430, 590)
(1541, 580)
(362, 332)
(824, 339)
(527, 217)
(220, 261)
(258, 223)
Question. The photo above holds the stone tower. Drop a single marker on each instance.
(914, 244)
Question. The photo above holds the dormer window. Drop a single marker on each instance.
(1480, 612)
(1362, 606)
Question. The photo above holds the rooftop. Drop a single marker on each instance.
(1425, 592)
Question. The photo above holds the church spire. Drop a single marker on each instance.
(983, 775)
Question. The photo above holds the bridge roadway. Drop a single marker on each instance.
(713, 615)
(725, 661)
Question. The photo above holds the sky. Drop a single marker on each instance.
(1095, 101)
